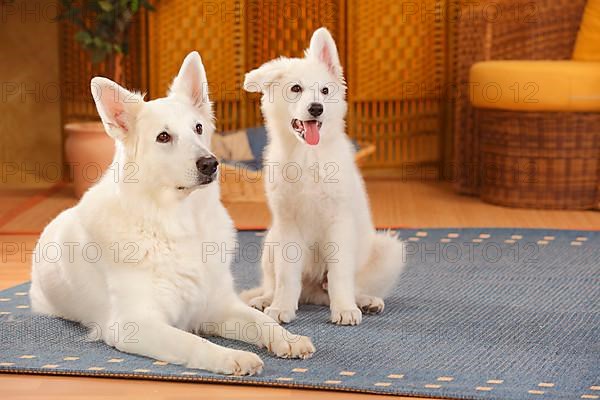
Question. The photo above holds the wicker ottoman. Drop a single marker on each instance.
(540, 159)
(538, 124)
(532, 116)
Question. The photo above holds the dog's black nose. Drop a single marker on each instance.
(315, 109)
(207, 165)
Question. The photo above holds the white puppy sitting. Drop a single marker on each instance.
(316, 195)
(140, 258)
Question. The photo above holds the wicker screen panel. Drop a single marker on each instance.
(77, 70)
(394, 75)
(212, 28)
(402, 131)
(284, 28)
(393, 57)
(393, 45)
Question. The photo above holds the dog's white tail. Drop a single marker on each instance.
(384, 266)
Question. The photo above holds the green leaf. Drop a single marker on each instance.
(104, 30)
(83, 37)
(98, 42)
(146, 4)
(69, 14)
(67, 4)
(105, 5)
(98, 56)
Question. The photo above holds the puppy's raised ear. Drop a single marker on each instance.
(322, 48)
(191, 84)
(116, 106)
(259, 79)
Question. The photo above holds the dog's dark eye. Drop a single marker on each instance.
(199, 129)
(296, 88)
(163, 137)
(325, 91)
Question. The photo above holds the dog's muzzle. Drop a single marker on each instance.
(207, 172)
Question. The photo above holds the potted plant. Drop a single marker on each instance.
(102, 31)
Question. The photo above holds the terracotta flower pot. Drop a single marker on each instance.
(89, 152)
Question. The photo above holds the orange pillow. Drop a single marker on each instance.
(587, 46)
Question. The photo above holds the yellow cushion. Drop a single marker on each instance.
(587, 46)
(536, 85)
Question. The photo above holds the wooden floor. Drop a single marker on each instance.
(431, 204)
(24, 212)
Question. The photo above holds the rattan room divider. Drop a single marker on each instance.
(233, 36)
(395, 72)
(215, 30)
(393, 52)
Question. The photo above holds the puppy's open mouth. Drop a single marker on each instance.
(307, 130)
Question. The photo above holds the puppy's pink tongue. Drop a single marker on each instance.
(311, 132)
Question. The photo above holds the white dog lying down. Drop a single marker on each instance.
(316, 195)
(136, 257)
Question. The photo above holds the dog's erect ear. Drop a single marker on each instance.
(116, 106)
(260, 78)
(322, 47)
(190, 84)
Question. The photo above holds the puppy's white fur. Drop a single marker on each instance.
(141, 257)
(317, 198)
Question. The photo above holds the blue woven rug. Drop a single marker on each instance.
(478, 314)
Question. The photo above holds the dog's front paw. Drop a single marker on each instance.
(352, 316)
(370, 304)
(292, 346)
(260, 302)
(280, 315)
(238, 363)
